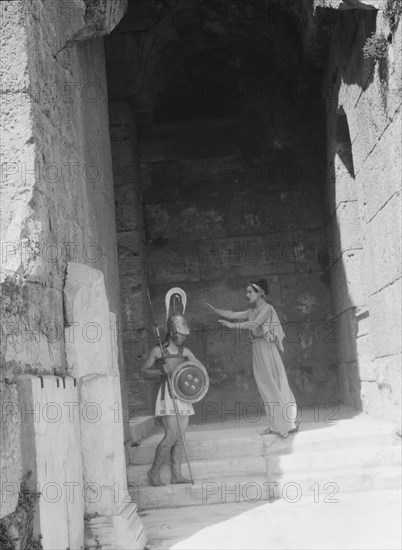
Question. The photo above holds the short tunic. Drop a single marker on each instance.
(269, 371)
(164, 403)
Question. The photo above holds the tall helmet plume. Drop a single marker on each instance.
(175, 321)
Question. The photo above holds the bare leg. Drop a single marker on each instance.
(161, 452)
(176, 453)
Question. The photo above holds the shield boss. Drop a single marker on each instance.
(190, 381)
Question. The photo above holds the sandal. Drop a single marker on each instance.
(268, 431)
(296, 429)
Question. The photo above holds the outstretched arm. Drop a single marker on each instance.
(260, 319)
(227, 313)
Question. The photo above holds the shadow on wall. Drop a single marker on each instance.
(344, 224)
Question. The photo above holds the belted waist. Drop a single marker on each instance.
(256, 338)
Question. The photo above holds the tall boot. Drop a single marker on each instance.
(154, 473)
(176, 453)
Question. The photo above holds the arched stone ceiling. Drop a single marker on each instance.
(157, 39)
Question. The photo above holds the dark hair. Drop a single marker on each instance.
(262, 283)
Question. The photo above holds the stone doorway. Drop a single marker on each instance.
(218, 142)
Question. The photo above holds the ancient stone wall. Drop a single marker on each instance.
(226, 200)
(136, 327)
(363, 96)
(57, 183)
(235, 195)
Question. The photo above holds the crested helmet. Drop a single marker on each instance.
(176, 322)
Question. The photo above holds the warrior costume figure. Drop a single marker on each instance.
(190, 383)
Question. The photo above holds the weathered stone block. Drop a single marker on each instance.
(351, 5)
(60, 22)
(115, 532)
(50, 420)
(340, 186)
(272, 253)
(133, 304)
(33, 329)
(274, 212)
(141, 396)
(375, 111)
(364, 353)
(14, 58)
(309, 389)
(176, 261)
(344, 229)
(384, 244)
(102, 444)
(308, 245)
(226, 175)
(385, 392)
(192, 140)
(228, 353)
(129, 250)
(380, 175)
(101, 17)
(10, 450)
(349, 385)
(88, 336)
(305, 297)
(347, 333)
(18, 178)
(310, 359)
(385, 320)
(127, 218)
(311, 344)
(382, 392)
(185, 221)
(346, 281)
(162, 181)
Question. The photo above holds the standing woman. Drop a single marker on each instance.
(266, 335)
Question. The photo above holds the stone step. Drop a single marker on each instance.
(141, 427)
(310, 439)
(204, 445)
(247, 442)
(231, 490)
(333, 483)
(202, 470)
(325, 487)
(370, 455)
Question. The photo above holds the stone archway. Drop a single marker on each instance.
(217, 128)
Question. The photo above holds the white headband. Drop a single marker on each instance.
(256, 287)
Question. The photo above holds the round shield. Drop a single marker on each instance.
(190, 381)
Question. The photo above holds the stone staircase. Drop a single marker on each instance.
(233, 463)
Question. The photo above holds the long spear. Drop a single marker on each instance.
(165, 367)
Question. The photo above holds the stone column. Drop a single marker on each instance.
(112, 520)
